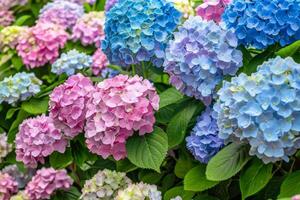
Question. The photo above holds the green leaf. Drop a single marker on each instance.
(228, 162)
(20, 21)
(255, 178)
(82, 155)
(148, 151)
(169, 96)
(178, 125)
(125, 166)
(70, 194)
(10, 113)
(17, 62)
(61, 160)
(183, 164)
(290, 185)
(289, 50)
(15, 125)
(195, 180)
(205, 197)
(150, 177)
(179, 191)
(36, 106)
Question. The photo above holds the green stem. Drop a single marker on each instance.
(133, 70)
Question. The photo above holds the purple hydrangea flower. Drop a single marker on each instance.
(109, 4)
(199, 56)
(204, 142)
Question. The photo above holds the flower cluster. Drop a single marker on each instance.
(104, 185)
(109, 73)
(263, 109)
(260, 23)
(7, 4)
(296, 197)
(81, 2)
(89, 28)
(46, 182)
(62, 12)
(119, 106)
(9, 37)
(70, 62)
(100, 62)
(6, 17)
(177, 198)
(22, 178)
(109, 4)
(41, 44)
(184, 6)
(140, 191)
(38, 138)
(8, 186)
(68, 104)
(20, 196)
(204, 142)
(212, 9)
(21, 86)
(199, 56)
(5, 147)
(138, 30)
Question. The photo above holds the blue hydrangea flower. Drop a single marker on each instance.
(204, 142)
(263, 110)
(70, 62)
(199, 56)
(138, 30)
(109, 73)
(260, 23)
(21, 86)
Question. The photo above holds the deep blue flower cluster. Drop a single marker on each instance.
(21, 86)
(70, 62)
(204, 142)
(263, 109)
(138, 30)
(199, 56)
(260, 23)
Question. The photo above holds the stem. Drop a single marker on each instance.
(292, 166)
(144, 70)
(133, 70)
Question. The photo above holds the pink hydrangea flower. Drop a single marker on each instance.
(38, 138)
(212, 9)
(41, 44)
(100, 62)
(296, 197)
(46, 182)
(89, 28)
(119, 106)
(8, 186)
(68, 104)
(6, 17)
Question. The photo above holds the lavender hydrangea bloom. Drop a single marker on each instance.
(5, 147)
(138, 30)
(204, 142)
(61, 12)
(21, 177)
(263, 110)
(21, 86)
(109, 4)
(260, 23)
(70, 62)
(199, 56)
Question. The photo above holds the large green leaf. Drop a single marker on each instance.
(61, 160)
(20, 21)
(36, 106)
(148, 151)
(289, 50)
(183, 164)
(255, 178)
(179, 191)
(228, 162)
(169, 96)
(178, 125)
(195, 180)
(291, 185)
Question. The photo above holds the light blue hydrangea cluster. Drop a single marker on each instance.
(204, 141)
(21, 86)
(260, 23)
(263, 110)
(109, 73)
(199, 56)
(138, 30)
(70, 62)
